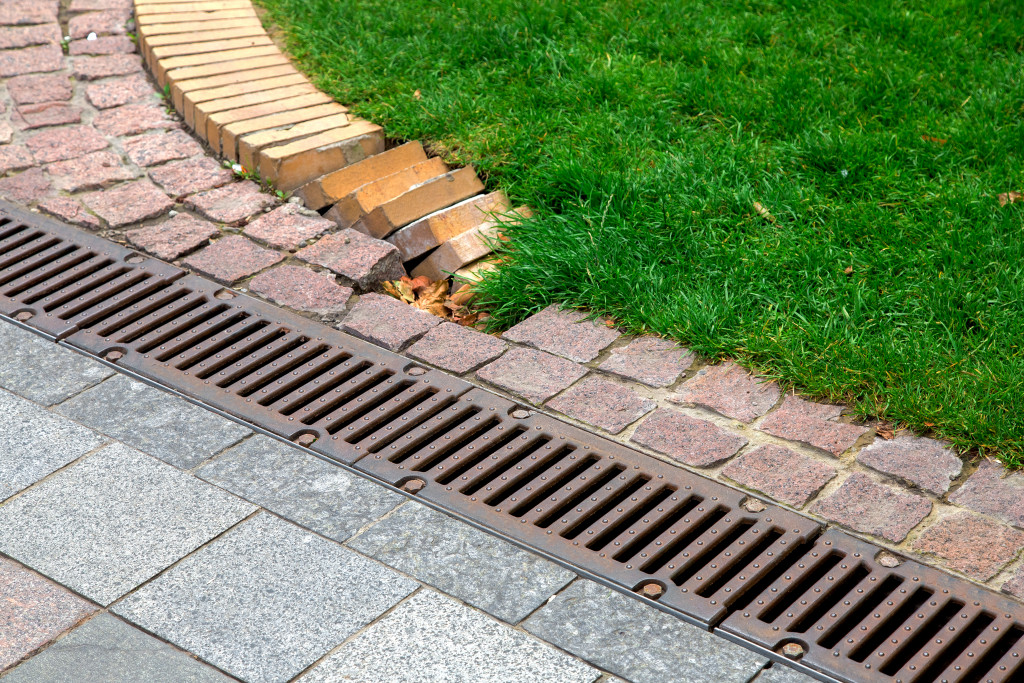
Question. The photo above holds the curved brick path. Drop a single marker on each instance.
(87, 138)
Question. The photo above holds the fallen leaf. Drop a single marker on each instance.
(417, 95)
(1010, 197)
(462, 295)
(929, 138)
(763, 212)
(848, 270)
(885, 431)
(400, 290)
(469, 320)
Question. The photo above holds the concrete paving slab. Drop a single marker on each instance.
(33, 611)
(41, 370)
(430, 637)
(266, 600)
(34, 442)
(155, 422)
(300, 487)
(113, 520)
(780, 673)
(460, 560)
(107, 650)
(638, 642)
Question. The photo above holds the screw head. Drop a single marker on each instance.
(414, 486)
(887, 559)
(224, 294)
(114, 356)
(652, 590)
(417, 371)
(305, 439)
(753, 505)
(23, 316)
(520, 414)
(793, 650)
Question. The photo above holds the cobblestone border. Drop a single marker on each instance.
(87, 138)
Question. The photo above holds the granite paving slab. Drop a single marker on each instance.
(107, 650)
(463, 561)
(43, 371)
(266, 600)
(780, 673)
(165, 426)
(430, 637)
(300, 487)
(106, 524)
(635, 641)
(34, 442)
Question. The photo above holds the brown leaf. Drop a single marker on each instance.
(468, 320)
(418, 283)
(763, 212)
(417, 95)
(848, 270)
(462, 295)
(885, 431)
(432, 293)
(938, 141)
(400, 290)
(1010, 197)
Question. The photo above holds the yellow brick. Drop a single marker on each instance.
(368, 197)
(296, 163)
(203, 36)
(457, 252)
(204, 110)
(220, 63)
(215, 124)
(234, 90)
(328, 189)
(250, 145)
(434, 230)
(181, 87)
(147, 20)
(229, 134)
(155, 54)
(147, 32)
(165, 7)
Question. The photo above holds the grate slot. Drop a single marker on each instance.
(386, 413)
(107, 283)
(494, 468)
(140, 312)
(930, 623)
(26, 249)
(177, 330)
(847, 621)
(425, 412)
(616, 523)
(807, 575)
(738, 551)
(296, 401)
(339, 395)
(579, 520)
(117, 304)
(346, 413)
(436, 432)
(705, 548)
(544, 483)
(293, 358)
(315, 368)
(1002, 659)
(151, 324)
(235, 361)
(249, 369)
(574, 492)
(193, 328)
(472, 454)
(830, 593)
(685, 536)
(517, 473)
(75, 286)
(14, 235)
(661, 532)
(41, 268)
(877, 628)
(61, 281)
(219, 333)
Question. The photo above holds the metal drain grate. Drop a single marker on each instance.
(763, 575)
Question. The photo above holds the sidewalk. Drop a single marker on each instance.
(151, 539)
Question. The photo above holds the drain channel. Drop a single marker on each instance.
(771, 578)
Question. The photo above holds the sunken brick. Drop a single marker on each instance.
(780, 473)
(360, 261)
(689, 440)
(301, 289)
(46, 114)
(104, 45)
(602, 403)
(106, 23)
(132, 119)
(174, 238)
(387, 322)
(15, 158)
(232, 258)
(649, 360)
(92, 68)
(457, 348)
(534, 375)
(29, 60)
(563, 332)
(871, 508)
(25, 36)
(971, 544)
(812, 423)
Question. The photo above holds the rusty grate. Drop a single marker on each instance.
(753, 572)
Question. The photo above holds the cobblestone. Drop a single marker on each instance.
(26, 187)
(534, 375)
(30, 60)
(780, 473)
(57, 144)
(231, 204)
(971, 544)
(649, 360)
(156, 148)
(990, 492)
(110, 22)
(729, 390)
(104, 45)
(1015, 585)
(15, 158)
(232, 258)
(689, 440)
(922, 462)
(361, 261)
(24, 12)
(36, 88)
(457, 348)
(174, 238)
(871, 508)
(29, 116)
(70, 211)
(93, 68)
(132, 119)
(25, 36)
(129, 203)
(287, 228)
(179, 178)
(89, 171)
(301, 289)
(116, 92)
(602, 403)
(387, 322)
(812, 423)
(564, 333)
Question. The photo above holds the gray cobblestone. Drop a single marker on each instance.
(41, 370)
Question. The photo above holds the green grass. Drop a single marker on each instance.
(643, 132)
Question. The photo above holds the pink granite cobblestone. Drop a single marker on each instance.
(649, 360)
(534, 375)
(729, 390)
(686, 439)
(301, 289)
(871, 508)
(563, 333)
(173, 238)
(971, 544)
(232, 258)
(387, 322)
(457, 348)
(602, 403)
(780, 473)
(815, 424)
(926, 463)
(286, 227)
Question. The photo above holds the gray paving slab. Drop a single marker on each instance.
(266, 600)
(638, 642)
(113, 520)
(430, 637)
(34, 442)
(460, 560)
(780, 673)
(155, 422)
(107, 650)
(300, 487)
(42, 371)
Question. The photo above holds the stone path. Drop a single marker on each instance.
(86, 137)
(155, 540)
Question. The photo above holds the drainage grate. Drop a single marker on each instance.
(755, 572)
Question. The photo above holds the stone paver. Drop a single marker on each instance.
(232, 258)
(457, 348)
(782, 474)
(186, 176)
(649, 360)
(872, 508)
(301, 289)
(132, 119)
(43, 372)
(989, 491)
(232, 203)
(15, 158)
(101, 23)
(103, 45)
(113, 520)
(602, 403)
(35, 443)
(33, 611)
(174, 238)
(30, 60)
(534, 375)
(812, 423)
(563, 332)
(971, 544)
(129, 203)
(689, 440)
(630, 639)
(26, 36)
(156, 148)
(93, 68)
(432, 638)
(300, 487)
(26, 187)
(153, 421)
(476, 567)
(115, 92)
(15, 13)
(89, 171)
(1015, 585)
(359, 260)
(107, 650)
(780, 673)
(922, 462)
(57, 144)
(387, 322)
(35, 88)
(28, 116)
(266, 600)
(287, 228)
(729, 390)
(70, 211)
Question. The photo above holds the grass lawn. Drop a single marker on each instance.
(873, 136)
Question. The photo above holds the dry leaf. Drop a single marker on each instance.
(885, 431)
(763, 212)
(1010, 197)
(462, 295)
(848, 270)
(416, 95)
(938, 141)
